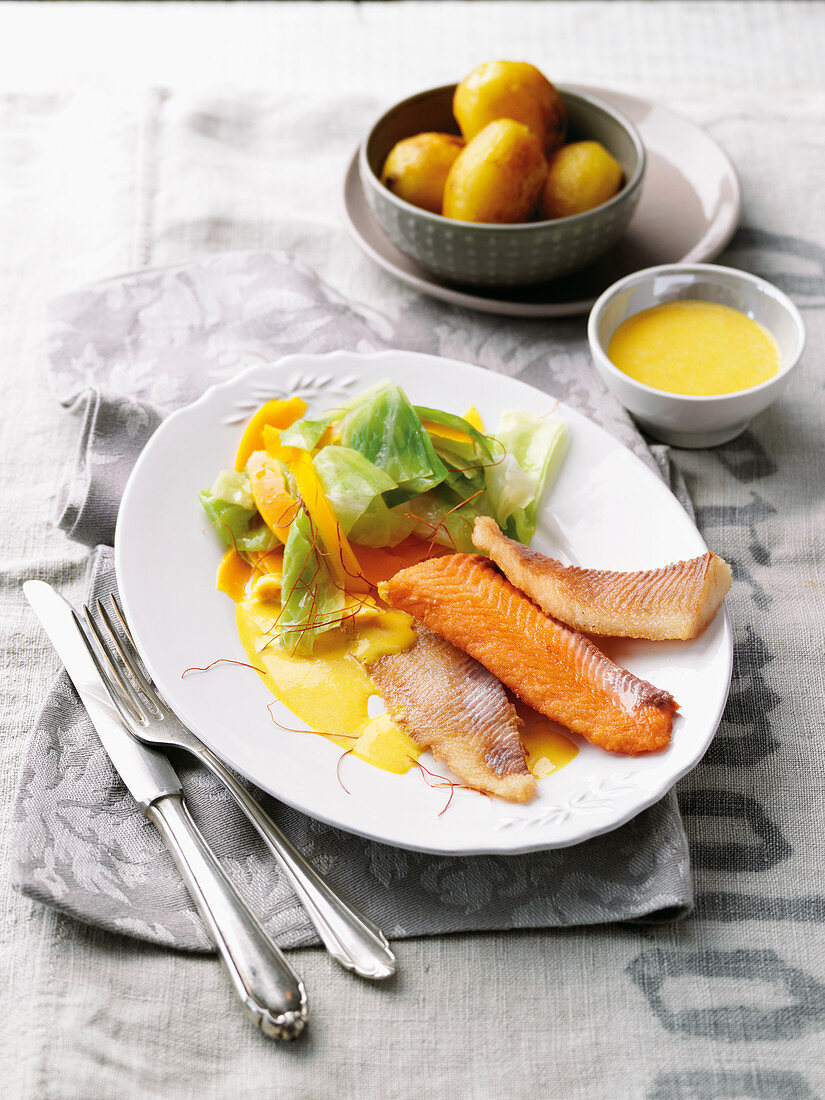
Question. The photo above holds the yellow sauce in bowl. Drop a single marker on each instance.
(693, 347)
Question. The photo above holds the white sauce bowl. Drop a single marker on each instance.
(685, 420)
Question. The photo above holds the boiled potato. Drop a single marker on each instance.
(416, 168)
(498, 177)
(510, 89)
(582, 175)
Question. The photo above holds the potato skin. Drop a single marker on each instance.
(582, 176)
(416, 168)
(498, 177)
(510, 89)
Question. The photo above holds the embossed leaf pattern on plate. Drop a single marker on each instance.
(601, 795)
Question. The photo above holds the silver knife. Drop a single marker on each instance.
(269, 990)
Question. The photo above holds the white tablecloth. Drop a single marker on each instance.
(147, 134)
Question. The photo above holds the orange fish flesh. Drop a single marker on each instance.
(553, 668)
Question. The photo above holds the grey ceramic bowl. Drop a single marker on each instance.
(478, 254)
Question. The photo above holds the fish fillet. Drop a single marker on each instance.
(676, 601)
(558, 671)
(449, 703)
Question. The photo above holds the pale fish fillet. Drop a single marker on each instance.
(676, 601)
(449, 703)
(558, 671)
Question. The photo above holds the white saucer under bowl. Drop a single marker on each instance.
(689, 210)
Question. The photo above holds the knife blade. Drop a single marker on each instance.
(269, 990)
(145, 771)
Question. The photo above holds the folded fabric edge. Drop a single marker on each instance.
(114, 431)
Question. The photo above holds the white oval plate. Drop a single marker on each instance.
(690, 206)
(606, 510)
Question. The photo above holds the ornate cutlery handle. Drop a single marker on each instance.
(348, 935)
(270, 991)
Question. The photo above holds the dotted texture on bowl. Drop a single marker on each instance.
(473, 253)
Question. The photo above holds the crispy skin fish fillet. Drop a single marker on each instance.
(449, 703)
(676, 601)
(558, 671)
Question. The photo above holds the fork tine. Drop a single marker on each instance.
(113, 684)
(129, 637)
(128, 654)
(115, 602)
(125, 689)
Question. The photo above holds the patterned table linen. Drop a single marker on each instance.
(163, 337)
(728, 1004)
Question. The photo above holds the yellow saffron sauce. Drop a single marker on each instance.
(693, 347)
(546, 747)
(331, 691)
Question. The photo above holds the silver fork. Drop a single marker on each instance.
(350, 937)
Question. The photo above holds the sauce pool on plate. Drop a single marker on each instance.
(332, 691)
(693, 347)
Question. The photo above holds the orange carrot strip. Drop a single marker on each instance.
(342, 561)
(233, 574)
(277, 413)
(266, 483)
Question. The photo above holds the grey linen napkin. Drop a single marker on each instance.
(123, 354)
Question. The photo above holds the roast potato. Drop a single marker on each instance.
(510, 89)
(498, 176)
(416, 168)
(581, 176)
